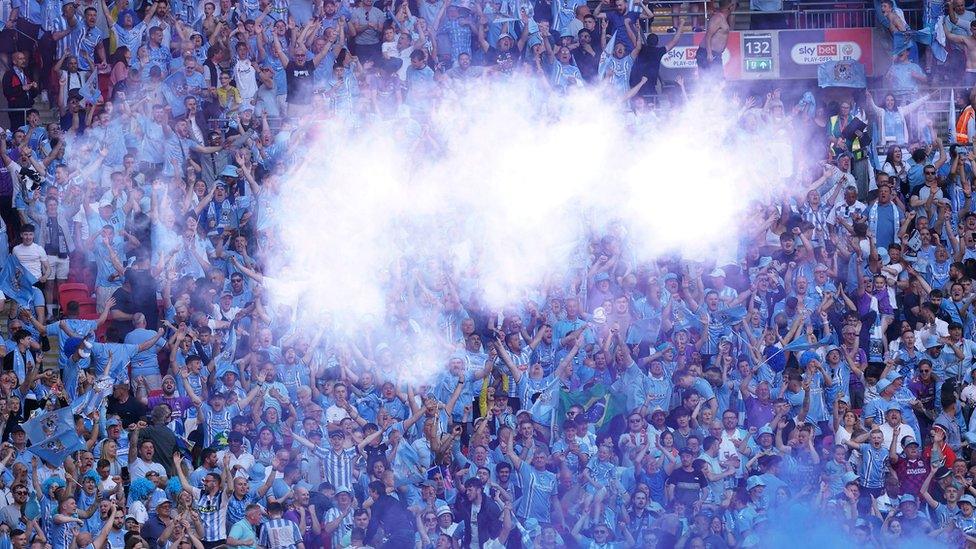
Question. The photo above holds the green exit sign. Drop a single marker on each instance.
(759, 65)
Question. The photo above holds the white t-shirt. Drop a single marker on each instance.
(246, 461)
(888, 433)
(139, 468)
(246, 78)
(31, 257)
(335, 414)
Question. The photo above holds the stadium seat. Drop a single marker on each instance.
(73, 291)
(87, 309)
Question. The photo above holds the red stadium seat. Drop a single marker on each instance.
(87, 309)
(73, 291)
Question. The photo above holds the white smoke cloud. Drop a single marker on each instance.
(505, 186)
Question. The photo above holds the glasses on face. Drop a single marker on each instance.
(929, 173)
(925, 371)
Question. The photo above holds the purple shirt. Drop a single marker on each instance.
(924, 393)
(308, 537)
(178, 404)
(757, 413)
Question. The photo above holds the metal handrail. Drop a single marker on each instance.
(806, 15)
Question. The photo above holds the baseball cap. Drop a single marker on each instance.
(753, 482)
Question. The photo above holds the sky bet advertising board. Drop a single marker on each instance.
(786, 54)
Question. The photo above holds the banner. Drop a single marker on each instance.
(16, 282)
(802, 52)
(841, 74)
(56, 448)
(780, 54)
(598, 402)
(47, 424)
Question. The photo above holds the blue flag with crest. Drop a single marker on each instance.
(16, 282)
(56, 448)
(841, 74)
(47, 424)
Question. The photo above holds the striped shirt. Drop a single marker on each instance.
(341, 535)
(337, 465)
(64, 534)
(523, 358)
(69, 43)
(279, 533)
(874, 463)
(213, 514)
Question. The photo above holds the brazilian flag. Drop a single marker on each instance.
(600, 404)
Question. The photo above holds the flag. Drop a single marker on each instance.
(938, 44)
(800, 345)
(47, 424)
(16, 282)
(684, 319)
(841, 74)
(952, 108)
(545, 405)
(89, 91)
(729, 317)
(56, 448)
(598, 402)
(607, 56)
(406, 463)
(499, 19)
(92, 400)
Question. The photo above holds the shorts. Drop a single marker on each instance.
(59, 267)
(706, 66)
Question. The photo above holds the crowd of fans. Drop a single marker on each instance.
(824, 377)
